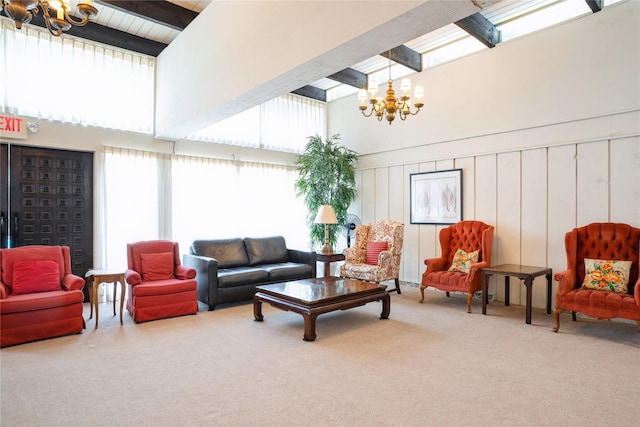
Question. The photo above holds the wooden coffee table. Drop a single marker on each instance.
(312, 297)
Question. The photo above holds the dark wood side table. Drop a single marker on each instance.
(95, 278)
(327, 259)
(525, 273)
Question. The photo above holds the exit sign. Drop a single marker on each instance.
(13, 127)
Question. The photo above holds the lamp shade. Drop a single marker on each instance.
(326, 215)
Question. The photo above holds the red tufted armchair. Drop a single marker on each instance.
(601, 241)
(158, 286)
(40, 297)
(466, 235)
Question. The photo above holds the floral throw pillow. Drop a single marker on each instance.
(606, 275)
(462, 260)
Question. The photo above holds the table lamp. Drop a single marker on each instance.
(326, 215)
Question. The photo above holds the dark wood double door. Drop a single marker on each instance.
(46, 198)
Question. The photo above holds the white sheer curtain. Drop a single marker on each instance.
(281, 124)
(215, 199)
(181, 198)
(70, 80)
(133, 201)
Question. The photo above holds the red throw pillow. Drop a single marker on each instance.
(157, 266)
(373, 250)
(35, 276)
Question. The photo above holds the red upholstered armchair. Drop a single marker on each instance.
(158, 286)
(469, 236)
(604, 242)
(39, 295)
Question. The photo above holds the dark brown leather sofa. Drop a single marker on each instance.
(228, 270)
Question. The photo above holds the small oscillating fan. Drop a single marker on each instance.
(348, 227)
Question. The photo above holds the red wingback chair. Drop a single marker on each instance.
(599, 241)
(158, 286)
(39, 295)
(469, 236)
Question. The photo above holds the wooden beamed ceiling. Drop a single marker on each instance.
(177, 17)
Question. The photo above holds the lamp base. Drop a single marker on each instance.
(327, 250)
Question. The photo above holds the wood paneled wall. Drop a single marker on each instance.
(532, 197)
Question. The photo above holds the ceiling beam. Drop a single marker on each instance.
(160, 12)
(480, 28)
(312, 92)
(350, 77)
(109, 36)
(595, 5)
(406, 56)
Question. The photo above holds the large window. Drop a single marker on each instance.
(180, 198)
(71, 80)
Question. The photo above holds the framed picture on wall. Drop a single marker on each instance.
(436, 197)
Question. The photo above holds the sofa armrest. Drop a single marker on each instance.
(636, 293)
(206, 269)
(183, 272)
(435, 264)
(132, 277)
(71, 282)
(304, 257)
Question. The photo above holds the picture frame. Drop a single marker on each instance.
(436, 197)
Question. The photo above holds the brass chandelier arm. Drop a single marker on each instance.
(21, 13)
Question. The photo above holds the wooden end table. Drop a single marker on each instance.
(526, 273)
(327, 259)
(98, 276)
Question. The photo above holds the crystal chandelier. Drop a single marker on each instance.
(20, 12)
(389, 106)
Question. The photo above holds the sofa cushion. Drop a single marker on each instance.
(462, 260)
(157, 266)
(266, 250)
(606, 275)
(283, 272)
(228, 252)
(240, 276)
(35, 276)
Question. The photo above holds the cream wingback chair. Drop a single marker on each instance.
(375, 257)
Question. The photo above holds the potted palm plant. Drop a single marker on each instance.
(326, 177)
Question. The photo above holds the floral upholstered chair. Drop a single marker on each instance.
(601, 279)
(375, 257)
(466, 250)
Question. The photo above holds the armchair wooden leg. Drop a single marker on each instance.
(422, 288)
(469, 297)
(398, 286)
(556, 317)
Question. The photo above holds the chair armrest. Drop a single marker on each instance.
(476, 268)
(636, 292)
(386, 258)
(71, 282)
(350, 255)
(4, 291)
(132, 277)
(183, 272)
(435, 264)
(566, 282)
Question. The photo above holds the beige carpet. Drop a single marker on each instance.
(428, 364)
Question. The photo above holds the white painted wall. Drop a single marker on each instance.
(546, 129)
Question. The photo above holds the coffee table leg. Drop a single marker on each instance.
(386, 306)
(529, 284)
(309, 327)
(257, 309)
